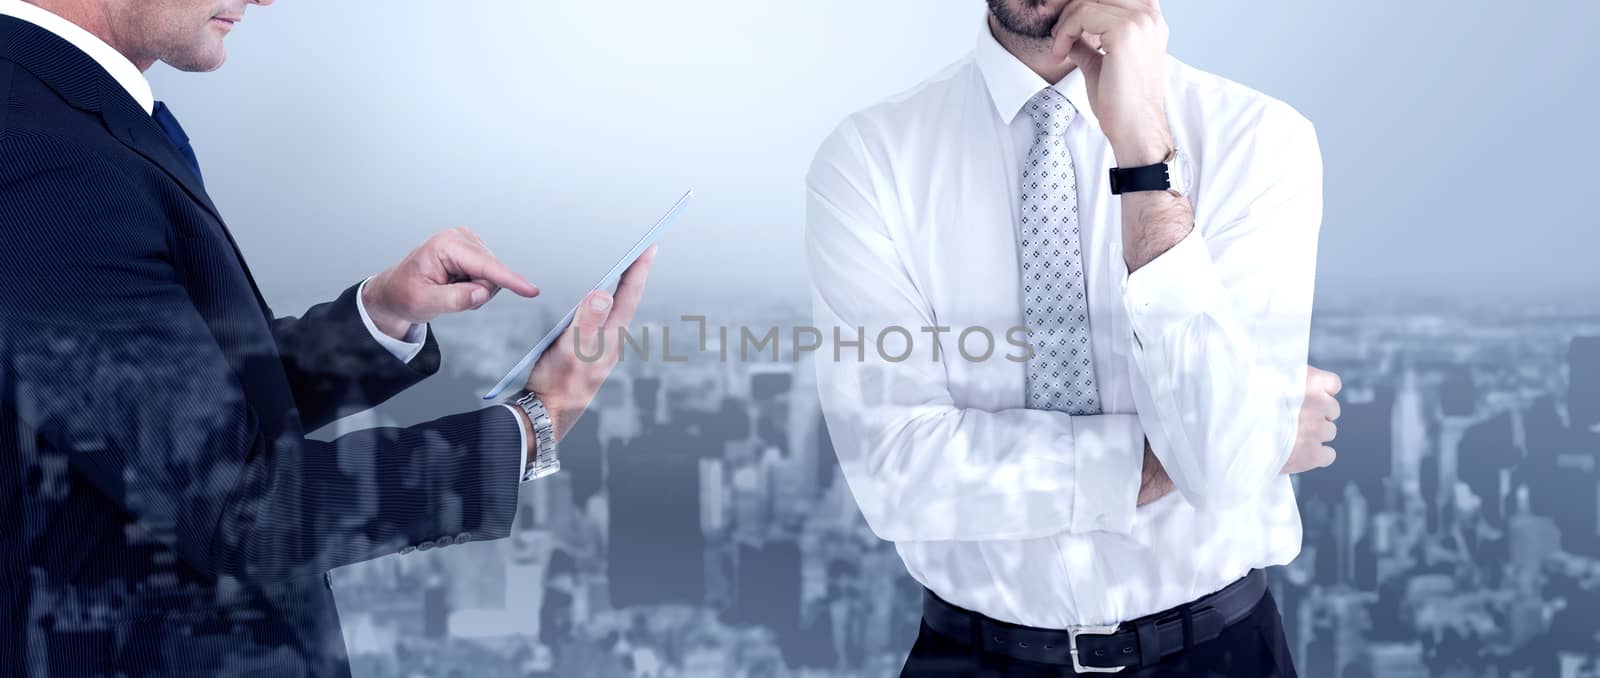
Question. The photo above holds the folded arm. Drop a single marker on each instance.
(920, 466)
(1221, 315)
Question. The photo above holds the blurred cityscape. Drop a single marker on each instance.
(700, 526)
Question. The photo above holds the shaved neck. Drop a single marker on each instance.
(99, 18)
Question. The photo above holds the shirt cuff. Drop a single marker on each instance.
(522, 433)
(1105, 494)
(405, 350)
(1174, 287)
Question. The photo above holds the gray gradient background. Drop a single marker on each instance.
(1457, 137)
(340, 134)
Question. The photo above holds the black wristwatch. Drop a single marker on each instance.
(1174, 176)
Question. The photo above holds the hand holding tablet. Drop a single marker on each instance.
(628, 275)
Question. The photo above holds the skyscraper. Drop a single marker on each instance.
(1410, 433)
(657, 549)
(1583, 382)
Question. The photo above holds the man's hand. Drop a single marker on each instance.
(569, 374)
(1317, 415)
(1121, 45)
(1317, 428)
(453, 271)
(1153, 482)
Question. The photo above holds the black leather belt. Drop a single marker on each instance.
(1102, 649)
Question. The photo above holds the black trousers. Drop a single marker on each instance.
(1254, 647)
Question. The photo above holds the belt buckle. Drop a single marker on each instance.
(1072, 643)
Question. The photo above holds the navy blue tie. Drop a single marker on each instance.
(169, 125)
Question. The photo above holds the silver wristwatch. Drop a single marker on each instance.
(544, 461)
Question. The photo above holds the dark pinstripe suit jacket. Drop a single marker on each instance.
(161, 510)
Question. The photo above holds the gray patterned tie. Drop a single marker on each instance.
(1055, 306)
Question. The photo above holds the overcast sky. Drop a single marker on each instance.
(340, 134)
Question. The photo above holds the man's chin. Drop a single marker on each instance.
(205, 62)
(1029, 24)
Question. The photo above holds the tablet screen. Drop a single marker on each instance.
(520, 371)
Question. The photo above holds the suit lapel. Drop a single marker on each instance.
(138, 131)
(83, 84)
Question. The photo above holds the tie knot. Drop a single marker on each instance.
(1051, 111)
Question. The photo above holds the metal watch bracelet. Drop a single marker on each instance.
(544, 461)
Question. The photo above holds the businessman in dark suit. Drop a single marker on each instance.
(162, 511)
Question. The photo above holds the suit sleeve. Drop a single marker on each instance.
(104, 355)
(337, 368)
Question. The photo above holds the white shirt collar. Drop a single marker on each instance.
(119, 67)
(1011, 83)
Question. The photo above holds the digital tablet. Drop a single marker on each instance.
(520, 372)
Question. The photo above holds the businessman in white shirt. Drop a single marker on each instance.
(1154, 229)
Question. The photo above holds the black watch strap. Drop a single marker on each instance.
(1137, 179)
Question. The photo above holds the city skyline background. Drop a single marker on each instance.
(1456, 537)
(700, 526)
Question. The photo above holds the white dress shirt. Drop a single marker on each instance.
(132, 79)
(1030, 516)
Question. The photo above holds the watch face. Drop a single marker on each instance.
(1181, 173)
